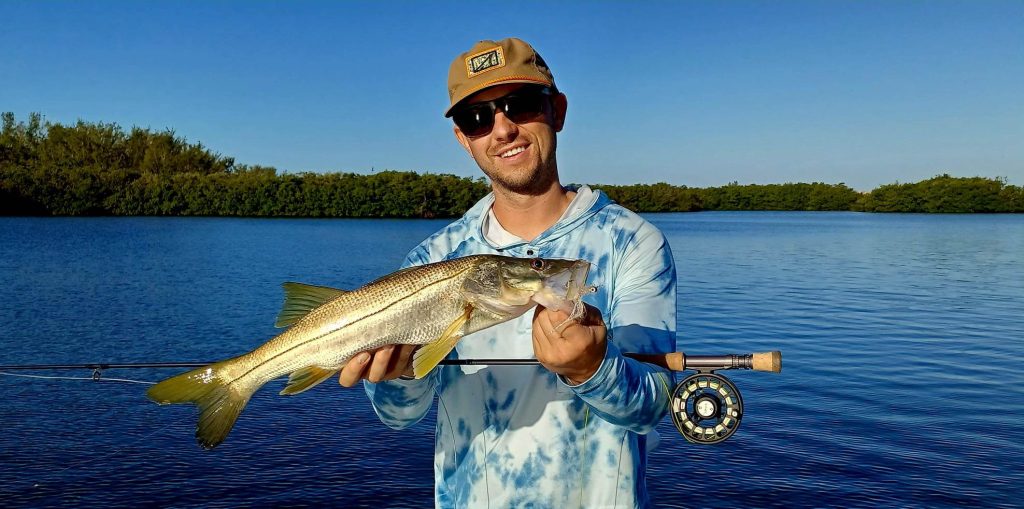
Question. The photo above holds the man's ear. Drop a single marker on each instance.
(559, 105)
(463, 140)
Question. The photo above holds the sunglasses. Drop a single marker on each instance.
(520, 106)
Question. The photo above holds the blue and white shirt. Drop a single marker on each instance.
(520, 436)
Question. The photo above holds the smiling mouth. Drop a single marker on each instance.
(512, 152)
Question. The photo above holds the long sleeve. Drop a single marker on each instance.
(401, 403)
(641, 319)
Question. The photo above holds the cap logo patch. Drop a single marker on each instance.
(485, 61)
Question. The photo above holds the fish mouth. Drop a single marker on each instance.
(563, 291)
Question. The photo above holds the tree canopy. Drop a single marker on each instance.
(100, 169)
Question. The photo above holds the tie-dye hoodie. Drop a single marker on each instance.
(520, 436)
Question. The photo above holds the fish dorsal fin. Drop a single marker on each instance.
(429, 355)
(305, 378)
(300, 299)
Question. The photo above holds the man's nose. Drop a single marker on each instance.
(504, 129)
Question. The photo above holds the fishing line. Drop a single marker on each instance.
(91, 379)
(97, 376)
(98, 368)
(45, 477)
(115, 451)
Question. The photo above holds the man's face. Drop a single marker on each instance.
(517, 157)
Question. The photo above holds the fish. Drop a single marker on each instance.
(433, 305)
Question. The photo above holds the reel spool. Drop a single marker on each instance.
(706, 408)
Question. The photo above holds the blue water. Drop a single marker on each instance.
(901, 338)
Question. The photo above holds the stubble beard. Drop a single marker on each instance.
(525, 181)
(521, 182)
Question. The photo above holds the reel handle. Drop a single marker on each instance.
(679, 361)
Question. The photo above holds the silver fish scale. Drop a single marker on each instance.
(375, 315)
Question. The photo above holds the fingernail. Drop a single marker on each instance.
(363, 358)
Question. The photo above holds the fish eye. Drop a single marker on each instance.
(537, 264)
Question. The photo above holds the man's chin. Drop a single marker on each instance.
(524, 183)
(528, 187)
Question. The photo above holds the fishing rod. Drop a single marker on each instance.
(706, 407)
(674, 361)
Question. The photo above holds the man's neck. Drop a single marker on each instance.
(527, 216)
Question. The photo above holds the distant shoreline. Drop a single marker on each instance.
(96, 169)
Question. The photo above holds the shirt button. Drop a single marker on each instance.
(529, 252)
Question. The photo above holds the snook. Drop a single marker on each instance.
(432, 305)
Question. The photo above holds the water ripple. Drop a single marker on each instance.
(900, 336)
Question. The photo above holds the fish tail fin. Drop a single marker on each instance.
(219, 402)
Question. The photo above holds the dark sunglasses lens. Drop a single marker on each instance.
(474, 121)
(520, 108)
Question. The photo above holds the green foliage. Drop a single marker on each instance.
(814, 196)
(946, 194)
(99, 169)
(83, 169)
(660, 197)
(663, 197)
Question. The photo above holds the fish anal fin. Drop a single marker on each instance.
(300, 299)
(305, 378)
(430, 355)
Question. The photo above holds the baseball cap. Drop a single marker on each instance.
(490, 63)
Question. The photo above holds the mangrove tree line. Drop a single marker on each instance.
(101, 169)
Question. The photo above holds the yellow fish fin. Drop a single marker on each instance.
(300, 299)
(428, 356)
(305, 378)
(218, 400)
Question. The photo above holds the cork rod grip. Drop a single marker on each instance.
(679, 361)
(767, 361)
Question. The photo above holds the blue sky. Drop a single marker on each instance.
(689, 93)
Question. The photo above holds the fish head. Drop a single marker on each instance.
(564, 289)
(511, 286)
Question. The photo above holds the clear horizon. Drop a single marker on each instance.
(697, 93)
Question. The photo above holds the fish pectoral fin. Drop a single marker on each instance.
(305, 378)
(300, 299)
(431, 354)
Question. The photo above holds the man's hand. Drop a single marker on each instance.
(385, 363)
(577, 351)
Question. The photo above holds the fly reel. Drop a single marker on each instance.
(706, 408)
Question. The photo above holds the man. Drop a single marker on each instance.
(570, 432)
